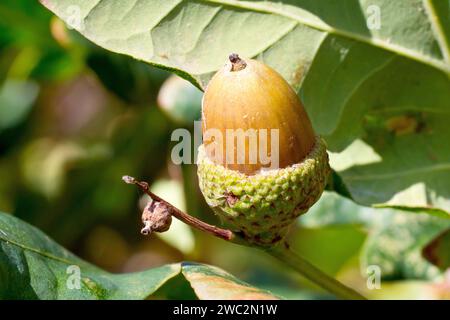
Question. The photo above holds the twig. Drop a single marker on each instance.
(180, 215)
(280, 252)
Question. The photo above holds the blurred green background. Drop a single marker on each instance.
(75, 118)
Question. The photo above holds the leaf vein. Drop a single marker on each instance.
(412, 54)
(437, 29)
(42, 253)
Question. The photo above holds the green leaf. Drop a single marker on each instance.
(395, 238)
(211, 282)
(396, 244)
(194, 37)
(409, 170)
(32, 266)
(354, 76)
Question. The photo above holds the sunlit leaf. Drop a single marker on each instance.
(211, 283)
(354, 74)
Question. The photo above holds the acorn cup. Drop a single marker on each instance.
(260, 165)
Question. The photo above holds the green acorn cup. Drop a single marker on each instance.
(248, 192)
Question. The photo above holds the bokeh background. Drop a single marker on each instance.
(75, 118)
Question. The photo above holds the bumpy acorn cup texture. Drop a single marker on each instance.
(259, 202)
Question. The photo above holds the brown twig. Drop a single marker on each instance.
(180, 215)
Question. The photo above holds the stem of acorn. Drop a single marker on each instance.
(312, 273)
(280, 251)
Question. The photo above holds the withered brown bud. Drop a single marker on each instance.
(157, 217)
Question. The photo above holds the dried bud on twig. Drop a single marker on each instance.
(157, 217)
(155, 221)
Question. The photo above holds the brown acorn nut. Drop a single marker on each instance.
(254, 96)
(259, 200)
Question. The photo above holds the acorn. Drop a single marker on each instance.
(261, 165)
